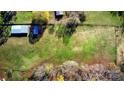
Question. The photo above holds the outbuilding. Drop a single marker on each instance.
(20, 30)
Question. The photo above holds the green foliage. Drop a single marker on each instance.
(4, 30)
(82, 16)
(64, 54)
(71, 26)
(23, 17)
(117, 13)
(89, 48)
(51, 29)
(60, 30)
(16, 76)
(1, 20)
(41, 19)
(113, 53)
(65, 31)
(102, 18)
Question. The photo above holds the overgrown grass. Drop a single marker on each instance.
(99, 45)
(92, 17)
(89, 48)
(50, 49)
(17, 53)
(64, 54)
(103, 18)
(23, 17)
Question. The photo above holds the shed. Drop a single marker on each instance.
(20, 29)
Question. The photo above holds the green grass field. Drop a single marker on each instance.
(103, 18)
(92, 17)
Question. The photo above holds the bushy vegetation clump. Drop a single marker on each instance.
(72, 71)
(66, 30)
(39, 19)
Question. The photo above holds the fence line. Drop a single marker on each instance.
(83, 24)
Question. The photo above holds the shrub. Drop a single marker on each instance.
(82, 17)
(41, 17)
(71, 26)
(41, 20)
(66, 30)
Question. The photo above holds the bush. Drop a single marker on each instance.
(66, 30)
(71, 26)
(73, 71)
(4, 34)
(41, 17)
(82, 17)
(41, 20)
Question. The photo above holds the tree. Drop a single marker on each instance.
(39, 20)
(6, 17)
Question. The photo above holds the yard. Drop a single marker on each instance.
(87, 45)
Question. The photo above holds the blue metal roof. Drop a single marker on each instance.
(18, 29)
(35, 31)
